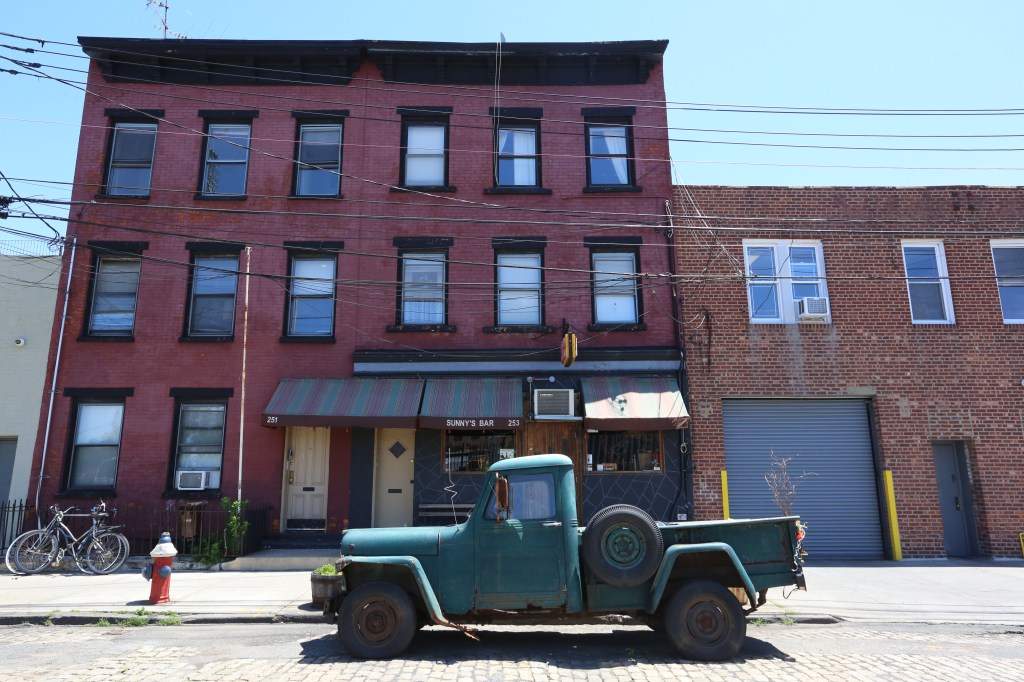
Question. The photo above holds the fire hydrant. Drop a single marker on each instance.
(160, 570)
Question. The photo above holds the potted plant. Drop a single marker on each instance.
(326, 584)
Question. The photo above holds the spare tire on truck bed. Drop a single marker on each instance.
(623, 545)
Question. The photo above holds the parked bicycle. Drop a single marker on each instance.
(100, 549)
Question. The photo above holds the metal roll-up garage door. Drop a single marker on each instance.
(828, 438)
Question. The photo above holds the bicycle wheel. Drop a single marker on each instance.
(106, 553)
(34, 551)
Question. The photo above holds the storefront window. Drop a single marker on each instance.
(617, 451)
(474, 451)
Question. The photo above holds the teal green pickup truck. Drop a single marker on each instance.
(521, 557)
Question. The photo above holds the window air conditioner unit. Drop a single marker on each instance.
(554, 403)
(812, 308)
(193, 480)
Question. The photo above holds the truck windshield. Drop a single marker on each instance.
(531, 497)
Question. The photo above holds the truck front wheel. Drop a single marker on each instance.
(377, 620)
(705, 622)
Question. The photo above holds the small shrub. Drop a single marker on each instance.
(169, 618)
(135, 622)
(326, 569)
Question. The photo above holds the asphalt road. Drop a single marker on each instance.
(269, 651)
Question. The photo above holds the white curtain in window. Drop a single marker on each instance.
(520, 142)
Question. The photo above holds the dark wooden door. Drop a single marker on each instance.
(560, 438)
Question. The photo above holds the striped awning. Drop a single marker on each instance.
(472, 403)
(633, 404)
(360, 401)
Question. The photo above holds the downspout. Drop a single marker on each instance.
(685, 437)
(245, 349)
(53, 382)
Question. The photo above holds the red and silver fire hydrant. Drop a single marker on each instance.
(160, 570)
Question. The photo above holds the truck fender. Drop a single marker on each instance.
(673, 552)
(415, 570)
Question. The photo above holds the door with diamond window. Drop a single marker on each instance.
(393, 477)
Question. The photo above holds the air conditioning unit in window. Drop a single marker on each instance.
(812, 308)
(554, 403)
(192, 480)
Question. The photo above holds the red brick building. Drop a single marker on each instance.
(334, 277)
(862, 333)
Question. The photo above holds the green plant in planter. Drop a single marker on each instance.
(326, 569)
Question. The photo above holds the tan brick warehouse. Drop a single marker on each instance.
(931, 383)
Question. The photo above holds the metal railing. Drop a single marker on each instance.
(193, 526)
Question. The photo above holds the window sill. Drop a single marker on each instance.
(105, 493)
(126, 197)
(199, 196)
(84, 338)
(519, 329)
(933, 323)
(800, 323)
(444, 328)
(207, 339)
(304, 197)
(191, 495)
(517, 190)
(633, 327)
(307, 339)
(609, 189)
(424, 188)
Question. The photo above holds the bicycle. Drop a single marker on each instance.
(100, 549)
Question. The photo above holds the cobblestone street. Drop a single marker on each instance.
(308, 652)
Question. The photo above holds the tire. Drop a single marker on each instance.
(623, 545)
(377, 620)
(33, 552)
(106, 553)
(705, 622)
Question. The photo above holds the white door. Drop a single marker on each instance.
(392, 489)
(305, 478)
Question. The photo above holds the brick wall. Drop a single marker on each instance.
(959, 382)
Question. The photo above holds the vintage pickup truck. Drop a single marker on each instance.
(521, 557)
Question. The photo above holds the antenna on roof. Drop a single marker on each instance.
(165, 5)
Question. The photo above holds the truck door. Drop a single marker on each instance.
(520, 561)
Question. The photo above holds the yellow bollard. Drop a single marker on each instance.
(725, 494)
(894, 526)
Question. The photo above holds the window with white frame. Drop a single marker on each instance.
(519, 289)
(131, 159)
(311, 296)
(423, 289)
(227, 159)
(114, 296)
(615, 287)
(1008, 259)
(199, 447)
(212, 304)
(319, 167)
(928, 282)
(97, 445)
(425, 154)
(785, 281)
(517, 160)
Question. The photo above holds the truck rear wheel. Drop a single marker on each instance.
(623, 545)
(377, 620)
(705, 622)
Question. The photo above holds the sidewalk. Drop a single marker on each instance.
(940, 591)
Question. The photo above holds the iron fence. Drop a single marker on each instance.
(194, 526)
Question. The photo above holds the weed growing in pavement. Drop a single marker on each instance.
(102, 623)
(141, 611)
(48, 619)
(169, 618)
(758, 622)
(135, 622)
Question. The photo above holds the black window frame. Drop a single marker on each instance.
(91, 396)
(200, 397)
(226, 118)
(305, 119)
(432, 117)
(520, 118)
(309, 254)
(114, 251)
(118, 119)
(203, 251)
(615, 245)
(605, 117)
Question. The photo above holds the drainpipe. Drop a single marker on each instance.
(53, 382)
(245, 344)
(685, 437)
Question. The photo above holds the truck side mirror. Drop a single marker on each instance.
(501, 494)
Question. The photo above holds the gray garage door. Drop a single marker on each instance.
(828, 438)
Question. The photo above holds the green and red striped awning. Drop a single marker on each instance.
(633, 404)
(375, 402)
(472, 403)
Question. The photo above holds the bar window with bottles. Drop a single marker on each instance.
(625, 451)
(471, 452)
